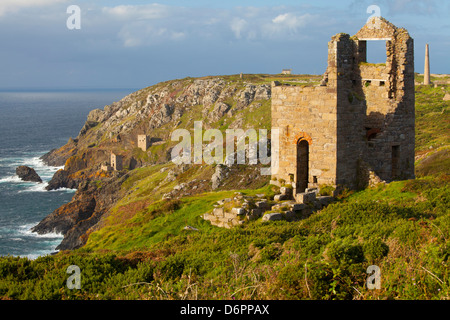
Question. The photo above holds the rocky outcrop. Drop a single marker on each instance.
(76, 219)
(61, 180)
(219, 175)
(220, 109)
(28, 174)
(58, 157)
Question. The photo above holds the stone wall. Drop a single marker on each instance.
(306, 113)
(361, 111)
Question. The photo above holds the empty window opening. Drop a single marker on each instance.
(382, 83)
(314, 179)
(376, 51)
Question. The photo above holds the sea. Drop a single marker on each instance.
(31, 124)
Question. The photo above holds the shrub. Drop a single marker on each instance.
(270, 252)
(345, 252)
(172, 267)
(326, 190)
(375, 250)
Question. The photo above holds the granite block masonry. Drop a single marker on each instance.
(360, 113)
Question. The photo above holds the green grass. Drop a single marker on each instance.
(142, 251)
(432, 124)
(402, 228)
(157, 221)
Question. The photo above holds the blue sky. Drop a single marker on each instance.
(134, 44)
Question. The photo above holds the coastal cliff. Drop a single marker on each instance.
(156, 111)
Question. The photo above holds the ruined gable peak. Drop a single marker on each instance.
(377, 28)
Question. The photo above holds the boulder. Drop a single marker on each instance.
(298, 207)
(280, 197)
(254, 214)
(238, 211)
(286, 191)
(28, 174)
(305, 197)
(263, 205)
(274, 216)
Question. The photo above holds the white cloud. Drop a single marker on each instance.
(290, 22)
(128, 12)
(149, 24)
(237, 26)
(7, 6)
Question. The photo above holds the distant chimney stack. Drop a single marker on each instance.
(426, 72)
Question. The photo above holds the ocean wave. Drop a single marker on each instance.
(40, 187)
(11, 179)
(67, 190)
(26, 230)
(32, 161)
(16, 239)
(44, 171)
(36, 187)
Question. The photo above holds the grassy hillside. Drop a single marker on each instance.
(403, 228)
(432, 130)
(143, 251)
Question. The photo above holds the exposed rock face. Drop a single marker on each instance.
(76, 219)
(28, 174)
(157, 107)
(220, 109)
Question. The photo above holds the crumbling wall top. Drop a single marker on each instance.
(378, 28)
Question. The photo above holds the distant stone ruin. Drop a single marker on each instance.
(116, 162)
(360, 118)
(143, 142)
(106, 167)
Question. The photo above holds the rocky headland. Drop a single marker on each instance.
(219, 102)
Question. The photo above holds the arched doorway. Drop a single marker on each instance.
(302, 165)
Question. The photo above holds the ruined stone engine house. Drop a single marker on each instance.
(360, 119)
